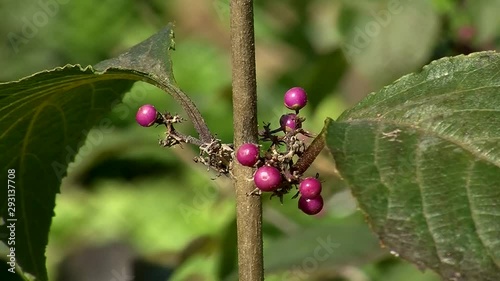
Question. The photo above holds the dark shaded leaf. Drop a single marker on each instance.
(44, 120)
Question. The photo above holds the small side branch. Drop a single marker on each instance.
(307, 158)
(191, 110)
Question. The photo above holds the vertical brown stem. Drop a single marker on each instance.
(248, 208)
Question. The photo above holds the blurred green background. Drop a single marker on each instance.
(131, 208)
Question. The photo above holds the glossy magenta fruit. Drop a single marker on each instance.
(295, 98)
(267, 178)
(146, 115)
(290, 122)
(247, 154)
(310, 188)
(311, 206)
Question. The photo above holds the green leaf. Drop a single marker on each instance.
(149, 61)
(422, 157)
(44, 120)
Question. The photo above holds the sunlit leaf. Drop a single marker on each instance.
(422, 157)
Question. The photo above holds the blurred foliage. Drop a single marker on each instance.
(160, 203)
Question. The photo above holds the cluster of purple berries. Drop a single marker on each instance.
(278, 170)
(275, 170)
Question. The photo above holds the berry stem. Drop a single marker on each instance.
(191, 110)
(248, 208)
(311, 152)
(174, 137)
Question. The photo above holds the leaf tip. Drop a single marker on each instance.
(170, 27)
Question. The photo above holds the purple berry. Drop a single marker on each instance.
(290, 122)
(311, 206)
(247, 154)
(295, 98)
(466, 33)
(310, 188)
(267, 178)
(146, 115)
